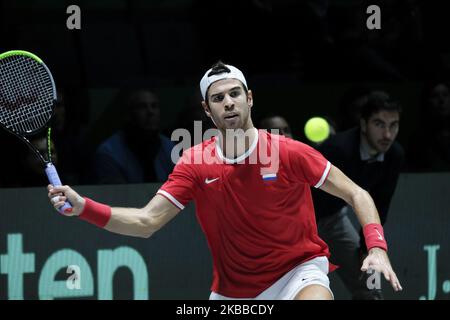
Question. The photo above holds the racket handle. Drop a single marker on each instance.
(53, 178)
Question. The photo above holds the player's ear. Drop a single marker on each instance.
(206, 109)
(250, 98)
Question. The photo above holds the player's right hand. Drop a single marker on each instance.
(378, 260)
(59, 195)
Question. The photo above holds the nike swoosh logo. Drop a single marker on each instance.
(379, 235)
(208, 181)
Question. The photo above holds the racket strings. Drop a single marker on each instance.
(26, 94)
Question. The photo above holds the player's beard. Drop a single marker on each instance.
(242, 122)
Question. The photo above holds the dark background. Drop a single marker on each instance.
(300, 57)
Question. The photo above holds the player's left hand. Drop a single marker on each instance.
(378, 260)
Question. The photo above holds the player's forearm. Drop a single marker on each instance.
(126, 221)
(364, 207)
(131, 222)
(339, 185)
(368, 217)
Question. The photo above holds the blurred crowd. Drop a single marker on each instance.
(308, 41)
(130, 144)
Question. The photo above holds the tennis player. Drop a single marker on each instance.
(255, 207)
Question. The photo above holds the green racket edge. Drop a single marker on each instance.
(20, 53)
(32, 56)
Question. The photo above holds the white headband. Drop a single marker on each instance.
(234, 73)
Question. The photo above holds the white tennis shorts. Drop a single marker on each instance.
(288, 286)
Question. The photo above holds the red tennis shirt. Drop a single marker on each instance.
(256, 210)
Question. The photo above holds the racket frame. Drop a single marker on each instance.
(50, 169)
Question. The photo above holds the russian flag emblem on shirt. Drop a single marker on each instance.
(269, 176)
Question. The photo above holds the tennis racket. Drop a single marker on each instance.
(27, 98)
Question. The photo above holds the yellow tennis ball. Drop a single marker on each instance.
(317, 129)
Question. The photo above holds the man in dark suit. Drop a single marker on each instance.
(370, 156)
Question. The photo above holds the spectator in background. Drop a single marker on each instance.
(138, 152)
(429, 148)
(370, 156)
(276, 122)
